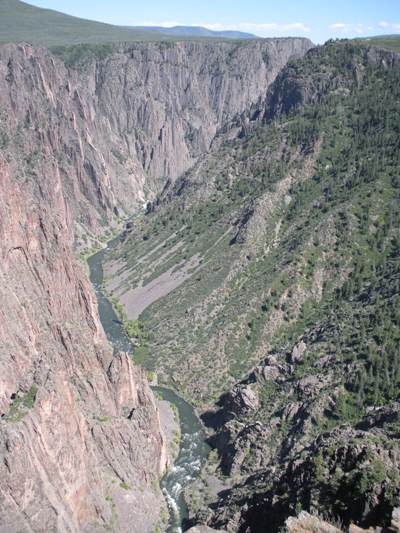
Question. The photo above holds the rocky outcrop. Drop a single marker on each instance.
(348, 474)
(115, 128)
(306, 523)
(282, 456)
(296, 86)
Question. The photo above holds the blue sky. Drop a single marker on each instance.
(318, 20)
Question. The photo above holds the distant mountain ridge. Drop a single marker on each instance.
(23, 22)
(198, 31)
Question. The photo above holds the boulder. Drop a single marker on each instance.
(298, 352)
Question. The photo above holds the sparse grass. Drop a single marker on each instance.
(155, 485)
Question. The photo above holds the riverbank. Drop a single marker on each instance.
(193, 449)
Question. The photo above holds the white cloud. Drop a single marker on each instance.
(395, 26)
(338, 26)
(166, 24)
(260, 28)
(345, 28)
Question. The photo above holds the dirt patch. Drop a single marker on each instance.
(136, 300)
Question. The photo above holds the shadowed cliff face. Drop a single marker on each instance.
(116, 128)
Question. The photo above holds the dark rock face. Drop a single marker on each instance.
(348, 472)
(289, 461)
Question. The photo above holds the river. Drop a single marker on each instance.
(193, 448)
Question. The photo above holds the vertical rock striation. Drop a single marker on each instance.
(115, 127)
(79, 429)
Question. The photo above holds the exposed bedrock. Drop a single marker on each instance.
(80, 438)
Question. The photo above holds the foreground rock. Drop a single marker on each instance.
(306, 523)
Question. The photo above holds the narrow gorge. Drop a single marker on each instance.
(188, 449)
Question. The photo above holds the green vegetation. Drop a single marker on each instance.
(102, 419)
(135, 330)
(21, 405)
(119, 309)
(4, 140)
(177, 439)
(391, 42)
(357, 184)
(81, 54)
(155, 485)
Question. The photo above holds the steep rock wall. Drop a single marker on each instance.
(80, 438)
(117, 127)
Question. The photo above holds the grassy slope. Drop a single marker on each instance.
(287, 269)
(23, 22)
(391, 42)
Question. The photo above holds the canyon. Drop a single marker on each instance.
(82, 146)
(266, 283)
(219, 219)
